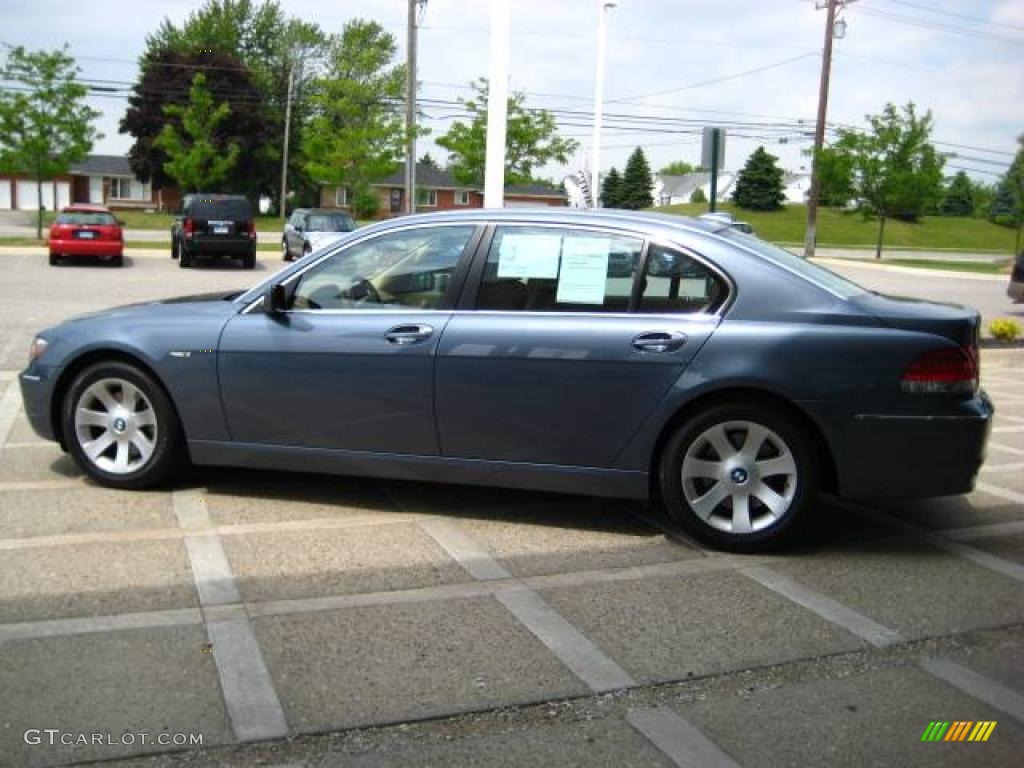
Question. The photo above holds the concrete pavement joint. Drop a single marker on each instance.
(980, 687)
(1006, 448)
(35, 630)
(1002, 493)
(683, 744)
(252, 703)
(10, 404)
(1013, 467)
(825, 607)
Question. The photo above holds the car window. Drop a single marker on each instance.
(816, 274)
(205, 208)
(674, 282)
(329, 222)
(409, 268)
(548, 269)
(85, 218)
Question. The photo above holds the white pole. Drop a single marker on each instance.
(497, 106)
(603, 7)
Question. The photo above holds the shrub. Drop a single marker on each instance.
(698, 196)
(366, 204)
(1004, 329)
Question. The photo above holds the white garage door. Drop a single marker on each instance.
(28, 195)
(5, 195)
(63, 194)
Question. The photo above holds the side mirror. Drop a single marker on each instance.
(276, 299)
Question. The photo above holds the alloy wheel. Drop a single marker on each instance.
(739, 477)
(116, 426)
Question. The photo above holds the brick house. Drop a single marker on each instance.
(103, 179)
(438, 190)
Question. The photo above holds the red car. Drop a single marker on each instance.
(86, 230)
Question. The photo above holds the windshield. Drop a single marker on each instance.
(88, 219)
(220, 209)
(816, 274)
(330, 222)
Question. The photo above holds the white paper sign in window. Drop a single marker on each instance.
(584, 271)
(529, 256)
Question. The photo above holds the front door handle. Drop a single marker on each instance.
(403, 335)
(659, 341)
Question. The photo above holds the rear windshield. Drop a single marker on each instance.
(220, 209)
(93, 219)
(809, 271)
(330, 222)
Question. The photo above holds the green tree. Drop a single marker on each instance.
(982, 194)
(759, 185)
(897, 171)
(166, 80)
(273, 48)
(611, 189)
(698, 196)
(636, 183)
(1007, 207)
(678, 168)
(357, 132)
(428, 161)
(195, 156)
(531, 141)
(959, 199)
(835, 178)
(45, 124)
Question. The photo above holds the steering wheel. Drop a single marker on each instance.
(363, 290)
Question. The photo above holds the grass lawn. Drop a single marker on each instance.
(851, 229)
(152, 245)
(162, 221)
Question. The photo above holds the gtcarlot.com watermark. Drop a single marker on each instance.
(54, 736)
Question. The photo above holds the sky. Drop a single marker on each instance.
(673, 66)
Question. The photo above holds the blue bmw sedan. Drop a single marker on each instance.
(604, 353)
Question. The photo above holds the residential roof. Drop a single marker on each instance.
(537, 189)
(426, 176)
(103, 165)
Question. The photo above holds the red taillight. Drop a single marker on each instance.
(188, 227)
(252, 229)
(948, 371)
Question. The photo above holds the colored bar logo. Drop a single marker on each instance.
(958, 730)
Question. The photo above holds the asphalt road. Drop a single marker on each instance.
(293, 620)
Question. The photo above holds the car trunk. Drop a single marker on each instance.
(961, 325)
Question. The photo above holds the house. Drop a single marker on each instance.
(438, 190)
(103, 179)
(796, 187)
(673, 190)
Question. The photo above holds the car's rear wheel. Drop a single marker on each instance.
(249, 260)
(121, 427)
(54, 260)
(739, 477)
(286, 255)
(307, 249)
(184, 258)
(174, 247)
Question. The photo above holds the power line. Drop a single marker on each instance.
(938, 26)
(973, 19)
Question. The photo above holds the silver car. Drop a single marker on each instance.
(310, 229)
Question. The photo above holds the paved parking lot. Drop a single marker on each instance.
(314, 621)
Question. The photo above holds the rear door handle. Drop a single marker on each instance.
(403, 335)
(659, 341)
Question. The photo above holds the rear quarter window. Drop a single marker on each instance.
(86, 219)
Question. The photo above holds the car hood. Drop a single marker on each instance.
(218, 298)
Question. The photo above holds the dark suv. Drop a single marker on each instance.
(214, 225)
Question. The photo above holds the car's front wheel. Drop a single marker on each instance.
(121, 427)
(286, 255)
(739, 477)
(174, 247)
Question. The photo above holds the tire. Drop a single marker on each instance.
(143, 445)
(184, 258)
(54, 260)
(286, 255)
(693, 469)
(117, 261)
(174, 247)
(249, 260)
(307, 249)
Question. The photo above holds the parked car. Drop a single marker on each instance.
(726, 376)
(214, 225)
(310, 229)
(724, 217)
(1016, 289)
(86, 230)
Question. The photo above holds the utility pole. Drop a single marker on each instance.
(819, 129)
(287, 130)
(410, 104)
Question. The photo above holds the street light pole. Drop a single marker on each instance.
(603, 6)
(819, 131)
(410, 106)
(497, 106)
(284, 155)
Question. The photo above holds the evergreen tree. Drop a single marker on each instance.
(1007, 206)
(611, 189)
(636, 183)
(959, 199)
(428, 161)
(759, 185)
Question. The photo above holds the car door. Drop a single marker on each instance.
(349, 364)
(292, 235)
(547, 360)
